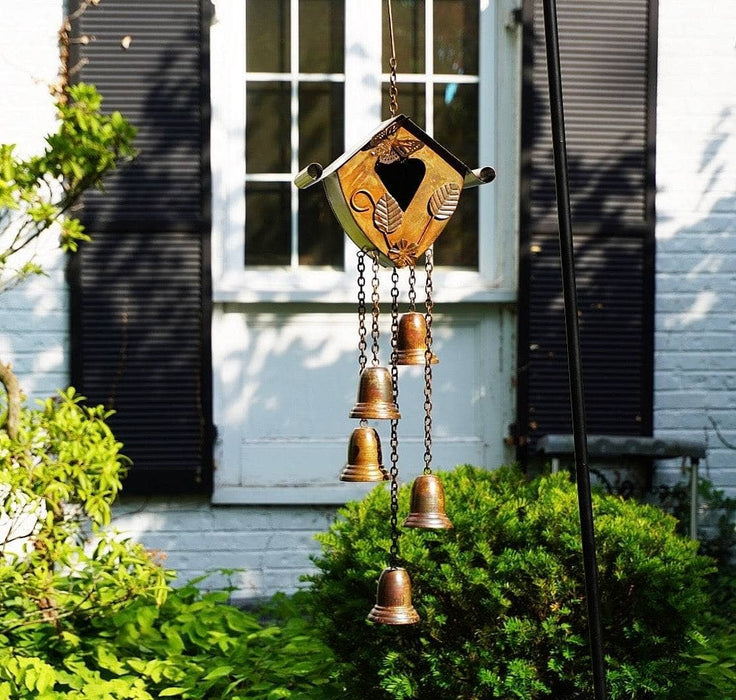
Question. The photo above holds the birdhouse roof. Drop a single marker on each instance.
(315, 173)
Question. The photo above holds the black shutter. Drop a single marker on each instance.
(140, 289)
(608, 69)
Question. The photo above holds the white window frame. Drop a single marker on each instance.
(499, 60)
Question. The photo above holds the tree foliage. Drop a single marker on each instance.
(40, 191)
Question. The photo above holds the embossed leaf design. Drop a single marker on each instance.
(443, 202)
(387, 215)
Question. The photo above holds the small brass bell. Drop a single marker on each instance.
(411, 341)
(428, 504)
(375, 395)
(364, 457)
(393, 599)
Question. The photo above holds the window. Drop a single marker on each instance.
(299, 81)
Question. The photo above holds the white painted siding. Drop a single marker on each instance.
(695, 344)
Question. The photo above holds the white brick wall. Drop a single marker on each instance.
(271, 544)
(33, 317)
(695, 343)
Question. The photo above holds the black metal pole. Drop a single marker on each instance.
(572, 332)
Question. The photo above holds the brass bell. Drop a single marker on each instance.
(364, 457)
(393, 599)
(375, 395)
(428, 504)
(411, 342)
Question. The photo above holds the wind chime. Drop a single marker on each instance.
(393, 196)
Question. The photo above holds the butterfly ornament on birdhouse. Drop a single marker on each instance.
(393, 195)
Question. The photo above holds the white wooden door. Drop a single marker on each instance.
(295, 81)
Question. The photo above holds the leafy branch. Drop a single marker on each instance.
(38, 193)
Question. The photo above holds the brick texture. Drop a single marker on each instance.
(268, 546)
(695, 352)
(33, 317)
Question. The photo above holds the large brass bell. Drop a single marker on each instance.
(375, 395)
(428, 504)
(364, 457)
(393, 599)
(411, 342)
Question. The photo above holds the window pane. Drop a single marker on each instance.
(457, 245)
(321, 239)
(267, 37)
(267, 128)
(320, 122)
(456, 120)
(456, 36)
(456, 128)
(408, 36)
(321, 36)
(267, 223)
(411, 102)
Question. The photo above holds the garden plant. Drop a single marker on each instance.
(501, 595)
(86, 613)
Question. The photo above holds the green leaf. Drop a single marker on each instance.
(219, 672)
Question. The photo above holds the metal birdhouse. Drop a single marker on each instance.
(395, 193)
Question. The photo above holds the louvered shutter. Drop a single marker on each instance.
(607, 54)
(139, 290)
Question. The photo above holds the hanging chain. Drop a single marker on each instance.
(394, 471)
(428, 367)
(393, 90)
(375, 311)
(362, 332)
(412, 289)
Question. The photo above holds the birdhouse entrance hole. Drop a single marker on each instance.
(402, 179)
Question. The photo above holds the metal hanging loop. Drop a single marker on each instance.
(393, 90)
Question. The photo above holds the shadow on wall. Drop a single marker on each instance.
(613, 238)
(695, 365)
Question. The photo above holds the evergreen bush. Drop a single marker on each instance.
(502, 595)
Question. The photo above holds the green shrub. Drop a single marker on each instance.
(86, 614)
(502, 598)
